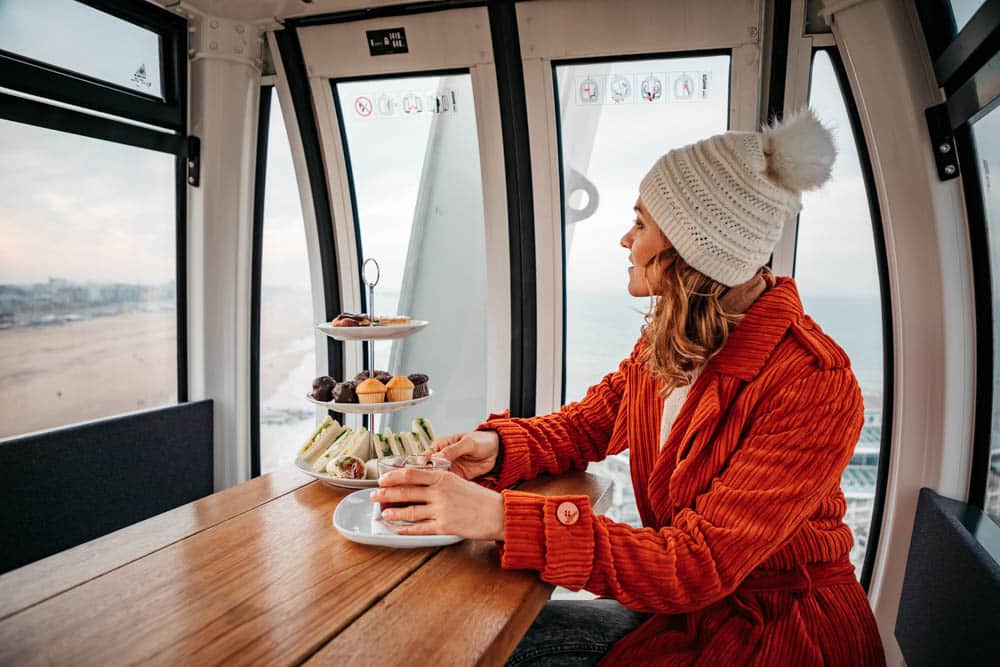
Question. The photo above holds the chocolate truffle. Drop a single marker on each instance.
(323, 388)
(344, 392)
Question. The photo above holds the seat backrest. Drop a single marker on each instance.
(949, 610)
(63, 487)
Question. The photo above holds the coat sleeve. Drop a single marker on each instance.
(568, 439)
(790, 459)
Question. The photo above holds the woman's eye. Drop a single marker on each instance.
(639, 225)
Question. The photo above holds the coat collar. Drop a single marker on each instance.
(759, 332)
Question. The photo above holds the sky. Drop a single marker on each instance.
(89, 210)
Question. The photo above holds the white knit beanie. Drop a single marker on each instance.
(723, 201)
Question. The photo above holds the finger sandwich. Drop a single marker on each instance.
(320, 440)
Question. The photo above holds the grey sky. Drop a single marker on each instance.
(89, 210)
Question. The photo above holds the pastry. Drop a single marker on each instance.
(351, 320)
(388, 320)
(371, 469)
(419, 381)
(381, 376)
(371, 391)
(320, 439)
(344, 392)
(399, 388)
(322, 388)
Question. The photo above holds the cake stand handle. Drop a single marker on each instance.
(371, 280)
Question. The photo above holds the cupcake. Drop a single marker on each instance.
(399, 388)
(419, 381)
(344, 392)
(370, 391)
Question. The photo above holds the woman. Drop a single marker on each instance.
(740, 415)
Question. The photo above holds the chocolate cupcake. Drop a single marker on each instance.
(344, 392)
(323, 388)
(419, 381)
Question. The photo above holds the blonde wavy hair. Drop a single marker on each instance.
(687, 325)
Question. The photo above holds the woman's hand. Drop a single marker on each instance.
(471, 454)
(449, 505)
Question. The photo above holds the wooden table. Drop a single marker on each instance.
(257, 573)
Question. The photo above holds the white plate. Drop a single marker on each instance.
(372, 332)
(366, 408)
(330, 480)
(356, 518)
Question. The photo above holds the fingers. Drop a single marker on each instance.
(410, 476)
(430, 527)
(413, 513)
(458, 449)
(441, 443)
(401, 494)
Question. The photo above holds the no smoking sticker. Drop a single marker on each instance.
(363, 106)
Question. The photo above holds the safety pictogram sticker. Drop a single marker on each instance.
(363, 106)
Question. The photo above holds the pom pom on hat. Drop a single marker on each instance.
(723, 201)
(799, 152)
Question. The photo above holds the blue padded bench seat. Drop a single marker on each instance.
(63, 487)
(949, 610)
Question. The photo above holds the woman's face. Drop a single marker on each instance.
(644, 241)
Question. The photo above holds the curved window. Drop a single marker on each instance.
(836, 270)
(415, 172)
(615, 119)
(287, 340)
(986, 135)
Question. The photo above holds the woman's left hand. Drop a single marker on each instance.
(450, 504)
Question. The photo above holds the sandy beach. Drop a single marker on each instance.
(89, 369)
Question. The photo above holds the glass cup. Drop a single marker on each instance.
(425, 461)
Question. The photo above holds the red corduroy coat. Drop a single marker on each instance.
(743, 557)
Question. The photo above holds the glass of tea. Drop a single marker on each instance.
(426, 461)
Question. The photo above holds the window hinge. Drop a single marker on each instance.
(193, 161)
(942, 141)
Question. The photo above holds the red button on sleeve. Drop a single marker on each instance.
(567, 513)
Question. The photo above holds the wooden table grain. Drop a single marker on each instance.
(257, 574)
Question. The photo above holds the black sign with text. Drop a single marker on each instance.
(382, 42)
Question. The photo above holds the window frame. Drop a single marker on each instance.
(26, 77)
(555, 64)
(882, 266)
(965, 65)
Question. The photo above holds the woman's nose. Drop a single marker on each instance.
(626, 241)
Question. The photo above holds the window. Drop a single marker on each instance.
(287, 339)
(837, 275)
(88, 318)
(986, 135)
(964, 10)
(91, 215)
(83, 40)
(616, 118)
(413, 153)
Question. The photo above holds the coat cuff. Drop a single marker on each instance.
(536, 539)
(514, 443)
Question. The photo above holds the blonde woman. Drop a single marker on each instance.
(740, 415)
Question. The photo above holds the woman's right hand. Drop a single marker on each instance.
(471, 454)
